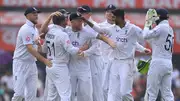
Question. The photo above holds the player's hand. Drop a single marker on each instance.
(151, 17)
(37, 40)
(84, 47)
(48, 63)
(81, 54)
(57, 13)
(147, 51)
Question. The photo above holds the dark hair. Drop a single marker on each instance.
(119, 13)
(58, 19)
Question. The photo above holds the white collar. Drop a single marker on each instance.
(28, 22)
(57, 26)
(164, 22)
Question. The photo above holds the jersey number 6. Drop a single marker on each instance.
(169, 40)
(50, 47)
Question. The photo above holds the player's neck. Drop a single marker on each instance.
(110, 22)
(121, 25)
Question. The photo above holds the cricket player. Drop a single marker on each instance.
(43, 30)
(59, 46)
(106, 50)
(79, 67)
(24, 67)
(160, 71)
(95, 56)
(122, 69)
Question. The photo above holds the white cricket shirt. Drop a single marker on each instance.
(58, 44)
(125, 38)
(161, 39)
(26, 35)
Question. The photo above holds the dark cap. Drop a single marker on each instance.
(118, 12)
(31, 10)
(63, 11)
(84, 9)
(74, 16)
(163, 13)
(110, 7)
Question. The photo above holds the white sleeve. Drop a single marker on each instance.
(68, 46)
(93, 49)
(138, 32)
(148, 34)
(101, 30)
(139, 47)
(27, 37)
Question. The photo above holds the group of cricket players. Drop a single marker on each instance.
(90, 61)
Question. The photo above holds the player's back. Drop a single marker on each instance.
(162, 45)
(54, 45)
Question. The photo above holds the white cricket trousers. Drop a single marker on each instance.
(96, 65)
(121, 80)
(82, 84)
(58, 82)
(25, 80)
(105, 78)
(159, 78)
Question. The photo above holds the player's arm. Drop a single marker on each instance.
(68, 46)
(38, 55)
(95, 45)
(142, 49)
(106, 40)
(97, 28)
(44, 27)
(28, 42)
(149, 34)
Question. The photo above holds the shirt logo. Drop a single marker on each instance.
(68, 42)
(75, 43)
(118, 39)
(27, 38)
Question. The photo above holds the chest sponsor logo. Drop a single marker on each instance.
(118, 39)
(75, 43)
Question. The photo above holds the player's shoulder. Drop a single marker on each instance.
(25, 29)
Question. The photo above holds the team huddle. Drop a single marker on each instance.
(90, 61)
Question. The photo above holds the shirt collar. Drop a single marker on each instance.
(57, 26)
(164, 22)
(28, 22)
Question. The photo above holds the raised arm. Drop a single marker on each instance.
(44, 27)
(97, 28)
(148, 34)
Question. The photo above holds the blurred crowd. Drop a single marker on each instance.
(6, 81)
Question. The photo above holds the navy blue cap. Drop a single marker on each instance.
(31, 10)
(84, 9)
(74, 16)
(163, 13)
(63, 11)
(118, 12)
(110, 7)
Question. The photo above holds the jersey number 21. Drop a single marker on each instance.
(50, 47)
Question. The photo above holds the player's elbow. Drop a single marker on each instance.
(29, 47)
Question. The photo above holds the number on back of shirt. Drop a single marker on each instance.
(51, 48)
(169, 43)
